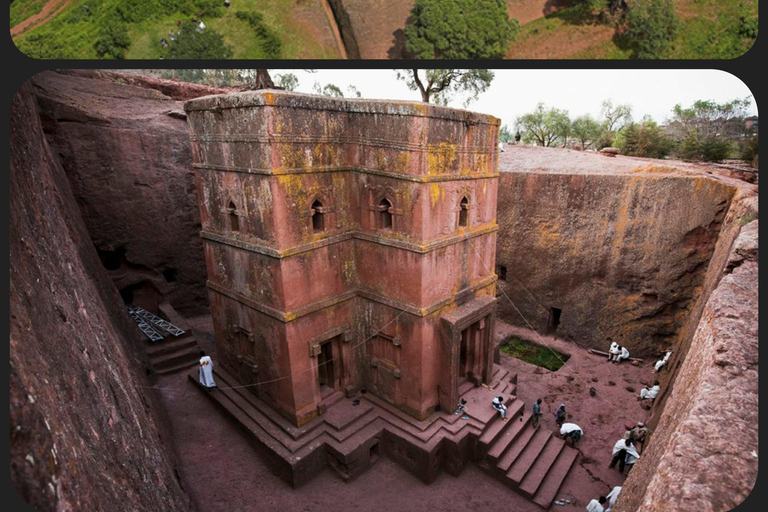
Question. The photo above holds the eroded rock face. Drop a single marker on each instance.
(703, 453)
(124, 146)
(85, 433)
(600, 255)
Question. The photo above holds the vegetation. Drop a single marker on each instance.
(645, 139)
(191, 41)
(545, 127)
(650, 29)
(532, 353)
(268, 39)
(460, 29)
(75, 31)
(440, 85)
(706, 131)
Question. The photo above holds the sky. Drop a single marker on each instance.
(517, 92)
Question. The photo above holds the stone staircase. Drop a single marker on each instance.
(173, 353)
(531, 462)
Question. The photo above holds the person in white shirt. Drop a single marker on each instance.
(650, 393)
(624, 452)
(661, 362)
(206, 371)
(612, 497)
(498, 404)
(573, 431)
(617, 353)
(597, 505)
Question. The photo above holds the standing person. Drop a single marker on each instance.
(536, 413)
(621, 449)
(498, 404)
(206, 371)
(560, 415)
(650, 393)
(597, 505)
(571, 430)
(631, 457)
(517, 138)
(612, 497)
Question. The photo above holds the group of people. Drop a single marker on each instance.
(599, 505)
(617, 353)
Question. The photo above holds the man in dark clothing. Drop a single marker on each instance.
(536, 413)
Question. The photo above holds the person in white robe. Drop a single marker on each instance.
(661, 362)
(617, 353)
(571, 430)
(650, 393)
(597, 505)
(206, 371)
(612, 497)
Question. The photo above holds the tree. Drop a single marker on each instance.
(193, 42)
(330, 90)
(112, 41)
(614, 118)
(646, 139)
(651, 27)
(506, 135)
(545, 127)
(460, 29)
(441, 85)
(586, 130)
(287, 81)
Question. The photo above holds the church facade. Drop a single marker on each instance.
(350, 245)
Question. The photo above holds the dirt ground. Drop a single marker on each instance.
(222, 471)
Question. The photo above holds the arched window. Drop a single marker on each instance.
(385, 214)
(318, 223)
(463, 212)
(234, 221)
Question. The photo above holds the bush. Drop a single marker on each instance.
(749, 149)
(646, 139)
(460, 29)
(269, 41)
(191, 42)
(651, 27)
(705, 149)
(112, 41)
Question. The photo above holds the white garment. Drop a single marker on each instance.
(624, 353)
(612, 497)
(595, 506)
(567, 428)
(661, 362)
(632, 455)
(621, 444)
(649, 393)
(206, 372)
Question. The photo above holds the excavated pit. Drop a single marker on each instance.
(651, 254)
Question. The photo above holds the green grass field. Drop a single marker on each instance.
(71, 34)
(533, 353)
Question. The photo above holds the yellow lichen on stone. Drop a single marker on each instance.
(440, 158)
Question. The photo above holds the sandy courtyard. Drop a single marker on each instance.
(222, 471)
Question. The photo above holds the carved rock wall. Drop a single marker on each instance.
(621, 255)
(85, 432)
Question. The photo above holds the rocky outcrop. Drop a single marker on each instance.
(85, 432)
(122, 140)
(703, 454)
(600, 250)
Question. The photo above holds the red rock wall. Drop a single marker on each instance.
(85, 432)
(622, 255)
(123, 143)
(702, 455)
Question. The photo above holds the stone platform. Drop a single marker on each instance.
(350, 438)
